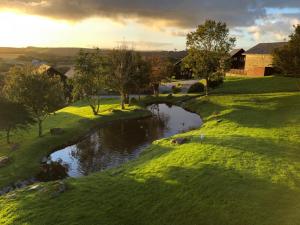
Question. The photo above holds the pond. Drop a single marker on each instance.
(121, 141)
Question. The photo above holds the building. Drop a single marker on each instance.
(50, 71)
(237, 59)
(182, 73)
(259, 59)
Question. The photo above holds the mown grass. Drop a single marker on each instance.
(245, 172)
(76, 120)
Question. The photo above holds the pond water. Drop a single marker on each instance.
(121, 141)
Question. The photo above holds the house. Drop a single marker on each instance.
(237, 59)
(259, 59)
(182, 73)
(70, 73)
(43, 68)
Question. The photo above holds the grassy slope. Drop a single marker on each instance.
(246, 171)
(26, 159)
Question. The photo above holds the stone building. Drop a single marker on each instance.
(259, 59)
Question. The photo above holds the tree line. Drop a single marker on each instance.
(29, 96)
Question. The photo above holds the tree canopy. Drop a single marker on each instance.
(89, 80)
(40, 93)
(287, 58)
(208, 49)
(13, 116)
(124, 65)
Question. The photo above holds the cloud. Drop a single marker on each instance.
(179, 13)
(175, 17)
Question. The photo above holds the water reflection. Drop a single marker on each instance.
(121, 141)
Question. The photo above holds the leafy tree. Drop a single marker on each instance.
(123, 68)
(40, 93)
(208, 50)
(161, 69)
(13, 116)
(89, 79)
(287, 58)
(141, 78)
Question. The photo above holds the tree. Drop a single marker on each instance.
(141, 78)
(89, 79)
(123, 68)
(13, 116)
(161, 69)
(287, 58)
(40, 93)
(208, 50)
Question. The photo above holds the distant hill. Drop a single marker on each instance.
(62, 57)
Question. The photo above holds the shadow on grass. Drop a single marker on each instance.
(257, 112)
(258, 85)
(207, 195)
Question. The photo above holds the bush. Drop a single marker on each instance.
(216, 80)
(176, 90)
(133, 101)
(196, 88)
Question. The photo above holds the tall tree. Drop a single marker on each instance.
(287, 58)
(141, 78)
(40, 93)
(208, 49)
(13, 116)
(123, 67)
(161, 69)
(89, 79)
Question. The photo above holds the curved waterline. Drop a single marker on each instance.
(118, 142)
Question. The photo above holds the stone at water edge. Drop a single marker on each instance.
(4, 161)
(179, 141)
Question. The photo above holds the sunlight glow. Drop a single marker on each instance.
(22, 30)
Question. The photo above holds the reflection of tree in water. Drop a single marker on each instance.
(117, 143)
(163, 118)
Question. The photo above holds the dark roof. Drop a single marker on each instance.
(236, 51)
(265, 48)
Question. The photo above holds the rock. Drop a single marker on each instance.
(44, 160)
(4, 161)
(56, 131)
(180, 141)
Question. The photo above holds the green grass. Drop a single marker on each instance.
(76, 120)
(245, 172)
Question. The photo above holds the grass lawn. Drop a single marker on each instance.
(245, 172)
(76, 120)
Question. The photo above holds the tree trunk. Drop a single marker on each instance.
(156, 90)
(95, 112)
(206, 86)
(123, 100)
(8, 136)
(127, 98)
(40, 127)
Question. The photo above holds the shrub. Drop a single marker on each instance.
(196, 88)
(133, 101)
(216, 80)
(176, 90)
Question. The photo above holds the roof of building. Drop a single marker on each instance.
(265, 48)
(70, 73)
(236, 51)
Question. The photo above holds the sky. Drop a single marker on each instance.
(146, 25)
